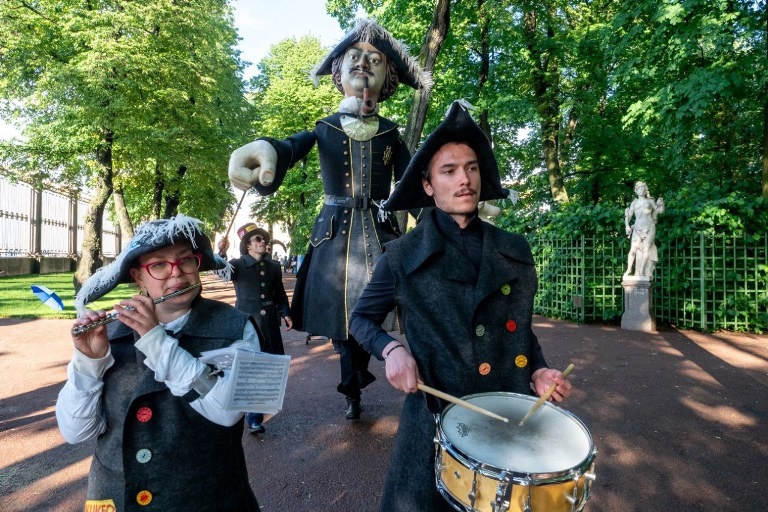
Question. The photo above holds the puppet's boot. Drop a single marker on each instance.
(353, 408)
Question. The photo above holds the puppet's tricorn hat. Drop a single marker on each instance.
(150, 237)
(368, 31)
(458, 126)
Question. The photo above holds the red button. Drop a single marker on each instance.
(511, 325)
(144, 414)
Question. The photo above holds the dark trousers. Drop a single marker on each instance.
(354, 368)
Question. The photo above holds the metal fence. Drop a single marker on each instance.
(705, 282)
(45, 223)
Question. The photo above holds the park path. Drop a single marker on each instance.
(678, 418)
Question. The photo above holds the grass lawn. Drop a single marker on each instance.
(18, 301)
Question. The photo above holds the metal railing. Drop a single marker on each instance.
(45, 223)
(704, 282)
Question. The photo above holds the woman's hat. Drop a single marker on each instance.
(458, 126)
(248, 231)
(409, 71)
(150, 237)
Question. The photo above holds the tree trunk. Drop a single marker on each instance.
(157, 193)
(91, 260)
(433, 41)
(547, 94)
(765, 129)
(123, 219)
(173, 197)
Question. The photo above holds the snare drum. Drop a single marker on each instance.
(483, 464)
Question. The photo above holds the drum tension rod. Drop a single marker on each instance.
(473, 493)
(503, 493)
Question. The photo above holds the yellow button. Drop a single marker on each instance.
(521, 361)
(505, 289)
(144, 498)
(480, 330)
(484, 369)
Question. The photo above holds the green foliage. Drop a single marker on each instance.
(567, 219)
(162, 78)
(732, 214)
(286, 102)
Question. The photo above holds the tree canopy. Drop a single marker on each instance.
(145, 101)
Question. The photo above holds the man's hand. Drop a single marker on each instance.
(288, 323)
(254, 162)
(402, 371)
(544, 377)
(223, 246)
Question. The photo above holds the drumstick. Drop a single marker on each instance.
(459, 401)
(543, 398)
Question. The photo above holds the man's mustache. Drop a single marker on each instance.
(466, 191)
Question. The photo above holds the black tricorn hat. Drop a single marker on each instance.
(458, 126)
(248, 231)
(150, 237)
(368, 31)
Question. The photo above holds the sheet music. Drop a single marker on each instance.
(256, 381)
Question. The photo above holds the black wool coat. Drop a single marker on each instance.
(260, 293)
(347, 239)
(469, 333)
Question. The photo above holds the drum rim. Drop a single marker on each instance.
(517, 477)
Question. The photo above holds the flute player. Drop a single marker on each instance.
(163, 441)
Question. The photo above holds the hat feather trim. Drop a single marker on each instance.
(368, 30)
(150, 233)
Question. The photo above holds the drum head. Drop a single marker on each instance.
(552, 441)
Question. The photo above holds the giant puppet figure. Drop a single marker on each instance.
(360, 155)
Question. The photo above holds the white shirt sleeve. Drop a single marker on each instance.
(78, 409)
(179, 370)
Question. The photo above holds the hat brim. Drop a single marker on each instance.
(149, 238)
(408, 70)
(246, 239)
(458, 126)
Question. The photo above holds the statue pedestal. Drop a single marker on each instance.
(638, 305)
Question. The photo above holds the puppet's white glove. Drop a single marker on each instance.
(251, 163)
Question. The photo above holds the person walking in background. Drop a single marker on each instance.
(136, 385)
(259, 292)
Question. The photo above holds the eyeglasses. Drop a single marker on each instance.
(163, 269)
(259, 238)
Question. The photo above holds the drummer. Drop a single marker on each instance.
(466, 291)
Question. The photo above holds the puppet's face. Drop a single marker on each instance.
(361, 61)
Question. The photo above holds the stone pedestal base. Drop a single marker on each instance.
(638, 304)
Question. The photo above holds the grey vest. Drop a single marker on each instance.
(156, 442)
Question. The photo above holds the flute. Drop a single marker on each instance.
(113, 315)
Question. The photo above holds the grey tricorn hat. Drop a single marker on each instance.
(149, 237)
(458, 126)
(409, 71)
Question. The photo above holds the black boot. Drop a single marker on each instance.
(353, 408)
